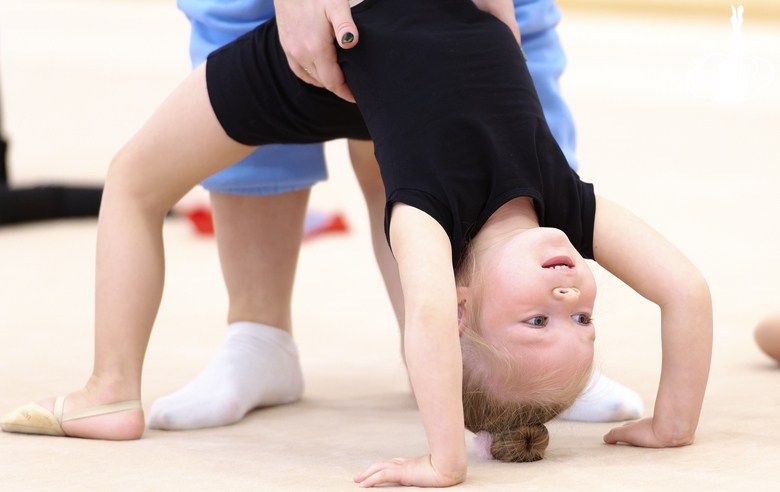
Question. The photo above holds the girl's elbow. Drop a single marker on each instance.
(693, 290)
(699, 290)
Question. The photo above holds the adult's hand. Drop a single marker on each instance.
(504, 10)
(306, 30)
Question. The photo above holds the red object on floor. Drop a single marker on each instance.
(330, 223)
(201, 219)
(317, 223)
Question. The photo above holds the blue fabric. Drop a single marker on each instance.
(271, 169)
(537, 20)
(215, 23)
(277, 169)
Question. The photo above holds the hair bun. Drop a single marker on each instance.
(526, 443)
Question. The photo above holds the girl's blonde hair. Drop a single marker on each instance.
(492, 379)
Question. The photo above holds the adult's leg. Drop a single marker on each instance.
(259, 206)
(258, 238)
(268, 230)
(537, 20)
(603, 400)
(367, 172)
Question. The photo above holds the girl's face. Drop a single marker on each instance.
(537, 299)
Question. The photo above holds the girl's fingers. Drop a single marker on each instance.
(624, 433)
(387, 475)
(635, 433)
(376, 467)
(612, 437)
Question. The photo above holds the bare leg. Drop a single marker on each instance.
(367, 172)
(259, 239)
(178, 147)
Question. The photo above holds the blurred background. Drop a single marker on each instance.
(763, 8)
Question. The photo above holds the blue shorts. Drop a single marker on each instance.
(271, 169)
(275, 169)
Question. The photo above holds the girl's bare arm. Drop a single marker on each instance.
(639, 256)
(433, 355)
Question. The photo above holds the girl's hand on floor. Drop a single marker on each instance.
(418, 472)
(640, 433)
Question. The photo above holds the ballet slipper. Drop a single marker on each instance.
(34, 419)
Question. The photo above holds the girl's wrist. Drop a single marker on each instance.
(676, 430)
(453, 468)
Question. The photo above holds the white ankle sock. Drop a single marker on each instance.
(257, 366)
(605, 400)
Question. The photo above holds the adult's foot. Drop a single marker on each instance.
(605, 400)
(257, 366)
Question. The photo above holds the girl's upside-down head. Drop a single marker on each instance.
(525, 305)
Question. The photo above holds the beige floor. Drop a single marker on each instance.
(80, 76)
(764, 8)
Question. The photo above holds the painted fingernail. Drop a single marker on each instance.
(347, 38)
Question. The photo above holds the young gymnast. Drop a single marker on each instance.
(258, 366)
(488, 223)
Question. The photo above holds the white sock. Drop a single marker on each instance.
(257, 366)
(605, 400)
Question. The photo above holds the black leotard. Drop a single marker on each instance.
(443, 90)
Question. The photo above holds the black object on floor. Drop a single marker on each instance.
(3, 169)
(43, 202)
(48, 202)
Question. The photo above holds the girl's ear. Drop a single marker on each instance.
(463, 317)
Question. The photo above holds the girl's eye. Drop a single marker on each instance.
(582, 319)
(537, 321)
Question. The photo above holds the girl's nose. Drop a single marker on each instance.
(569, 294)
